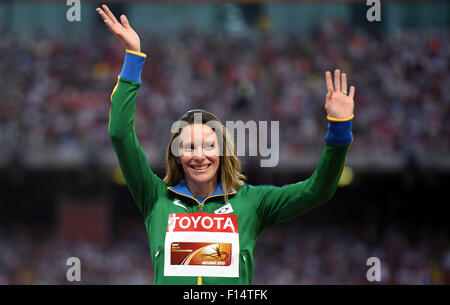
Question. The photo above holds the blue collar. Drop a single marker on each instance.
(182, 189)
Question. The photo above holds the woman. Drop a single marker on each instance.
(203, 220)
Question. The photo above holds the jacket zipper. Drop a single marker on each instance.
(199, 278)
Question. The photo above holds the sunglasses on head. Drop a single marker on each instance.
(195, 111)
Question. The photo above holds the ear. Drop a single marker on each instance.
(178, 160)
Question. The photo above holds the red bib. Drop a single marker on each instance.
(202, 244)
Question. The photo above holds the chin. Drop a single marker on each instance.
(201, 179)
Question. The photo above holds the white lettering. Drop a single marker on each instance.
(210, 222)
(202, 295)
(374, 12)
(228, 223)
(201, 222)
(173, 222)
(74, 272)
(195, 221)
(74, 12)
(374, 272)
(188, 222)
(218, 220)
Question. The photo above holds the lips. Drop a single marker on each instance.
(200, 168)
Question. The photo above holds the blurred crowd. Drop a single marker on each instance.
(55, 93)
(328, 255)
(307, 255)
(27, 259)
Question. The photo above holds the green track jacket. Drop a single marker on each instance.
(256, 207)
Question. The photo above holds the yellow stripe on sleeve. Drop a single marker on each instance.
(115, 87)
(136, 53)
(340, 120)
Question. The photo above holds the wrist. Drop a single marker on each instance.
(340, 132)
(132, 66)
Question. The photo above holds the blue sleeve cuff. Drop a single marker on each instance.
(132, 66)
(339, 133)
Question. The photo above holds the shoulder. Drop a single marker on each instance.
(256, 189)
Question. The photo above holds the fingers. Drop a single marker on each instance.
(340, 83)
(329, 82)
(344, 83)
(106, 19)
(124, 21)
(102, 14)
(352, 92)
(109, 14)
(337, 80)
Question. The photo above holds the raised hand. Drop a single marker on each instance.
(122, 30)
(338, 103)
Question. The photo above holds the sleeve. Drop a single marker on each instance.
(144, 185)
(279, 204)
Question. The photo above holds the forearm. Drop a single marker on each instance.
(131, 157)
(295, 199)
(322, 184)
(123, 97)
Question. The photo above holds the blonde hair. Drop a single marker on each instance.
(230, 166)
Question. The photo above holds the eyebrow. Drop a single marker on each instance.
(205, 142)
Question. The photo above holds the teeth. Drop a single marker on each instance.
(200, 167)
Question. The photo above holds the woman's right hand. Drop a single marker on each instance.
(122, 30)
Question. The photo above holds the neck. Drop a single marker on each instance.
(202, 190)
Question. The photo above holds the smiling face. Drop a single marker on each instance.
(199, 154)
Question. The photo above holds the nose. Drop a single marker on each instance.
(199, 153)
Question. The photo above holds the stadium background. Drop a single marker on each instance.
(62, 194)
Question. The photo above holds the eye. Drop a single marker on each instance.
(188, 147)
(208, 146)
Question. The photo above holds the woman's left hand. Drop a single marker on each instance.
(338, 103)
